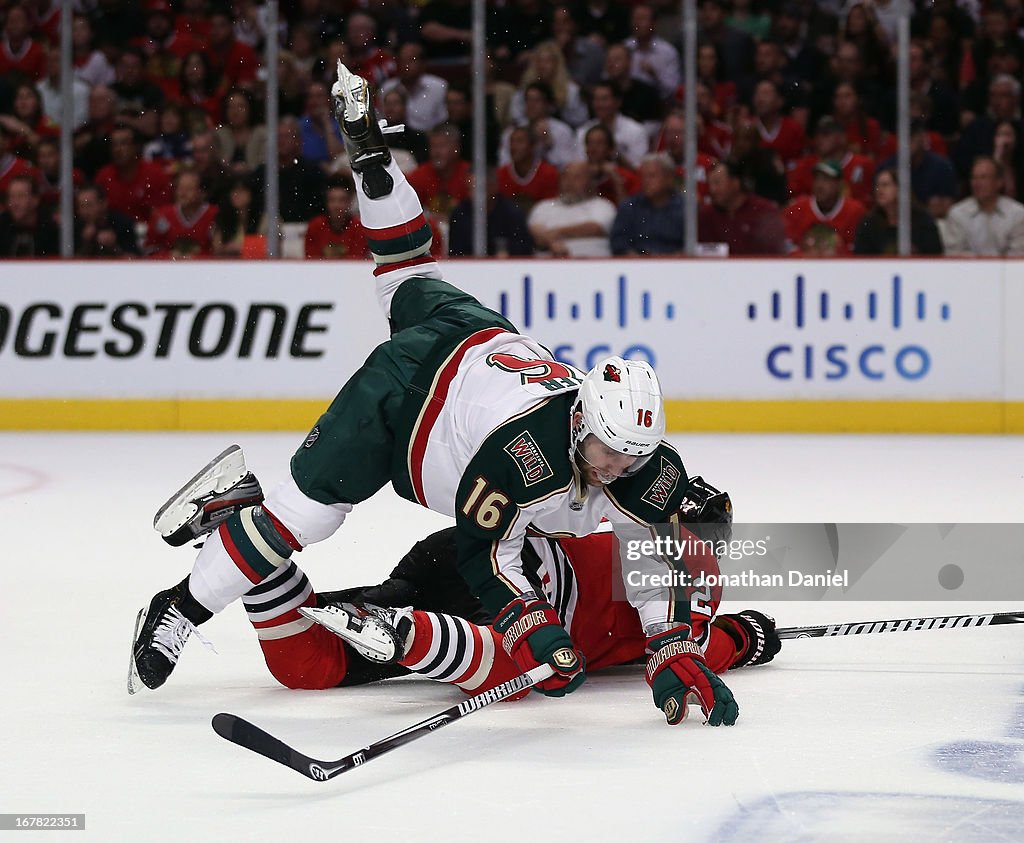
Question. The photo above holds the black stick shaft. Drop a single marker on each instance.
(901, 625)
(245, 734)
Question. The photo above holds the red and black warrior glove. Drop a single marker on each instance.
(532, 635)
(678, 675)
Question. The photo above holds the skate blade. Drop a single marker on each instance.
(220, 474)
(372, 639)
(134, 682)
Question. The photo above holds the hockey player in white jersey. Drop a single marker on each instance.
(467, 417)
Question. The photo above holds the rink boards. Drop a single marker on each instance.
(767, 345)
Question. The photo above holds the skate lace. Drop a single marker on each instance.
(173, 631)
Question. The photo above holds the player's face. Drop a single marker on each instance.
(599, 464)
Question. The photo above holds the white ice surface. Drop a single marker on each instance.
(914, 736)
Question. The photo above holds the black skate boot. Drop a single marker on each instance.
(364, 141)
(160, 634)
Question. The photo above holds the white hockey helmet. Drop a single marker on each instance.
(623, 408)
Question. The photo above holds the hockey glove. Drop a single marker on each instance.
(754, 636)
(533, 635)
(677, 674)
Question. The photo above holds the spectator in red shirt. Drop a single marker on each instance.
(337, 233)
(229, 57)
(830, 143)
(367, 59)
(527, 178)
(864, 133)
(824, 222)
(746, 223)
(11, 167)
(199, 90)
(609, 178)
(782, 134)
(193, 20)
(443, 181)
(672, 140)
(184, 229)
(19, 54)
(28, 124)
(714, 137)
(133, 186)
(163, 47)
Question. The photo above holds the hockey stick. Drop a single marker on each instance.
(245, 734)
(901, 625)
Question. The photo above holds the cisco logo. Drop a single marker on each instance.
(894, 309)
(621, 308)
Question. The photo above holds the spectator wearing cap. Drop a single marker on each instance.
(25, 231)
(425, 93)
(986, 223)
(556, 142)
(630, 136)
(651, 223)
(878, 232)
(825, 221)
(577, 223)
(830, 143)
(932, 179)
(655, 61)
(779, 133)
(20, 54)
(745, 223)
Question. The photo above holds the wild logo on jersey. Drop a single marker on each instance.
(550, 374)
(612, 374)
(663, 486)
(528, 459)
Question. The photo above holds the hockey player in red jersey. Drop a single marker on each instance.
(467, 417)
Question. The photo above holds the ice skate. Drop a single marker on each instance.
(364, 139)
(160, 635)
(376, 634)
(223, 487)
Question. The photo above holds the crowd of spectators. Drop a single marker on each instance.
(585, 131)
